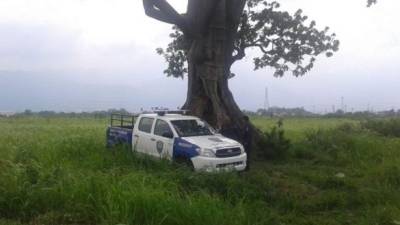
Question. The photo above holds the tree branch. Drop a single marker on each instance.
(161, 10)
(261, 47)
(241, 53)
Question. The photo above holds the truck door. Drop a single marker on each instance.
(163, 140)
(143, 135)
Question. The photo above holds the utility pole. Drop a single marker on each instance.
(342, 104)
(266, 100)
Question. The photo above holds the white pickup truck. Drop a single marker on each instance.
(177, 137)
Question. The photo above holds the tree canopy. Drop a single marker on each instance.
(284, 42)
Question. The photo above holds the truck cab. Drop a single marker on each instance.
(181, 137)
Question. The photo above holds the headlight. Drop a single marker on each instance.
(206, 152)
(242, 150)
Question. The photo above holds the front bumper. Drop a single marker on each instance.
(207, 164)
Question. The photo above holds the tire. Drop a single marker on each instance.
(184, 161)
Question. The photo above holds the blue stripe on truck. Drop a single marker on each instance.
(116, 136)
(184, 149)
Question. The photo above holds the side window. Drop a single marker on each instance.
(145, 124)
(162, 128)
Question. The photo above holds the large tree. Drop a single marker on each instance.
(214, 34)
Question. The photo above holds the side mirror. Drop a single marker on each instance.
(168, 135)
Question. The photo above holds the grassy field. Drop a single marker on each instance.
(57, 171)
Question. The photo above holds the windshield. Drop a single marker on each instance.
(190, 128)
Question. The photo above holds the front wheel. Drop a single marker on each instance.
(184, 161)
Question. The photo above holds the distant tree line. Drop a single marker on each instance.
(301, 112)
(270, 112)
(364, 114)
(93, 114)
(281, 112)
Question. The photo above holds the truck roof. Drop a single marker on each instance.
(169, 116)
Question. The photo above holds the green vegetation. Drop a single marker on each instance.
(386, 127)
(57, 171)
(274, 145)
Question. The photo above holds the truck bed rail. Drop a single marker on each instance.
(122, 121)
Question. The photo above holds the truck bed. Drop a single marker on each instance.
(120, 130)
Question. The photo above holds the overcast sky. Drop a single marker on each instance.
(71, 55)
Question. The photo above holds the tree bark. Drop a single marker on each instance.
(209, 60)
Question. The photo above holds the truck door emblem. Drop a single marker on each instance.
(160, 146)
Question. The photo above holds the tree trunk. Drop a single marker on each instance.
(209, 97)
(209, 60)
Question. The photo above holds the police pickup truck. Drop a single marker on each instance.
(176, 136)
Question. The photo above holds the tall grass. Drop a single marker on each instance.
(57, 171)
(386, 127)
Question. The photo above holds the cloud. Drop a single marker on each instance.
(91, 54)
(63, 92)
(33, 46)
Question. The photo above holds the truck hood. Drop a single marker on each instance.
(212, 142)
